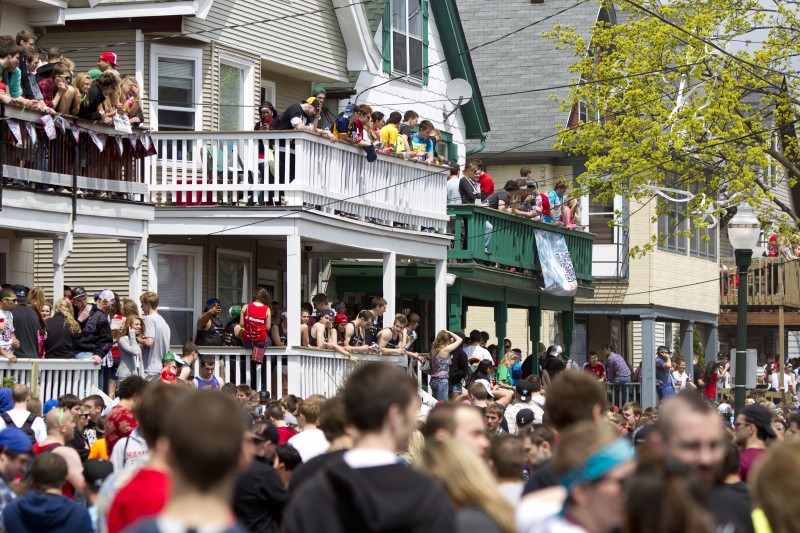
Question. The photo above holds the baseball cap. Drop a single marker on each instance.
(265, 431)
(555, 350)
(94, 73)
(524, 417)
(337, 304)
(212, 301)
(340, 319)
(48, 405)
(486, 385)
(524, 390)
(21, 291)
(106, 295)
(95, 471)
(235, 311)
(349, 110)
(78, 292)
(328, 312)
(109, 57)
(641, 434)
(761, 418)
(314, 102)
(15, 440)
(169, 374)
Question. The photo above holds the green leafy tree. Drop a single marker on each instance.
(673, 103)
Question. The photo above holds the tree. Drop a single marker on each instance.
(674, 106)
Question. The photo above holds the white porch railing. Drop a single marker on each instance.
(50, 378)
(298, 371)
(223, 168)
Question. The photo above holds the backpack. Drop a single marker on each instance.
(26, 426)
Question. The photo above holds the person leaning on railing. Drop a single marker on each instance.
(99, 94)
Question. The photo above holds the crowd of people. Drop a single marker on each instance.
(167, 457)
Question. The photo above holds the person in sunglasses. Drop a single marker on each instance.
(57, 91)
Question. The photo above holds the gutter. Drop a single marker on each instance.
(478, 148)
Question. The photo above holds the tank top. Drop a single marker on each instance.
(394, 342)
(255, 323)
(67, 490)
(313, 341)
(358, 336)
(281, 333)
(230, 338)
(212, 383)
(212, 336)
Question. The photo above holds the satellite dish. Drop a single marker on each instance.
(459, 92)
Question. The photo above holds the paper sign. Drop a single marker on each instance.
(557, 269)
(16, 130)
(122, 123)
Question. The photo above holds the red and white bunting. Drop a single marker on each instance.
(13, 125)
(49, 127)
(31, 132)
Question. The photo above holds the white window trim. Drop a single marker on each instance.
(178, 249)
(248, 95)
(248, 275)
(407, 76)
(176, 52)
(272, 86)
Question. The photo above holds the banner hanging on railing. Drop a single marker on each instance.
(557, 269)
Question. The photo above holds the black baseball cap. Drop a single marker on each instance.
(265, 431)
(524, 390)
(78, 292)
(524, 417)
(761, 418)
(95, 471)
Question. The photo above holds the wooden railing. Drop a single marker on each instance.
(511, 242)
(51, 378)
(224, 169)
(299, 371)
(770, 282)
(41, 163)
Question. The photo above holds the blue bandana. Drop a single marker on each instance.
(598, 464)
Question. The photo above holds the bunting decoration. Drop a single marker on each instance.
(99, 139)
(49, 127)
(31, 132)
(13, 125)
(76, 131)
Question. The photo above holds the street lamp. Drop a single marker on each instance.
(743, 232)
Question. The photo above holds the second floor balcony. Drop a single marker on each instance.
(771, 282)
(295, 170)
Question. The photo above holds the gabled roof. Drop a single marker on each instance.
(521, 62)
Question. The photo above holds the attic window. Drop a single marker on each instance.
(538, 2)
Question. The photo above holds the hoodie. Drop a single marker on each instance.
(6, 403)
(390, 498)
(95, 336)
(39, 512)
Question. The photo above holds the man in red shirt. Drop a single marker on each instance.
(485, 181)
(148, 490)
(595, 367)
(275, 414)
(752, 429)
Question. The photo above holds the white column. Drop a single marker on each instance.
(389, 287)
(293, 288)
(440, 296)
(62, 249)
(136, 252)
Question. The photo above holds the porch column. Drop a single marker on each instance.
(568, 329)
(389, 287)
(455, 310)
(535, 324)
(62, 249)
(294, 275)
(710, 340)
(687, 344)
(440, 297)
(500, 322)
(649, 396)
(135, 255)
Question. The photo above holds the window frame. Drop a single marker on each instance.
(388, 44)
(247, 92)
(680, 243)
(196, 252)
(158, 51)
(246, 258)
(266, 87)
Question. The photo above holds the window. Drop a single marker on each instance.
(175, 83)
(233, 279)
(235, 93)
(269, 92)
(678, 233)
(600, 214)
(406, 44)
(175, 274)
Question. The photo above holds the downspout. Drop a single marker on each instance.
(478, 148)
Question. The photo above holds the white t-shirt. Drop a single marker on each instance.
(453, 194)
(775, 384)
(682, 377)
(310, 443)
(129, 452)
(18, 416)
(477, 351)
(156, 328)
(6, 336)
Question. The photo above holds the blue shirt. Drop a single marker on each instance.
(556, 202)
(13, 82)
(418, 144)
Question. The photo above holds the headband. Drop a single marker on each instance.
(598, 464)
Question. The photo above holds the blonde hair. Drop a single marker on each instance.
(127, 323)
(36, 297)
(442, 340)
(129, 308)
(777, 475)
(467, 480)
(78, 82)
(63, 307)
(509, 359)
(416, 443)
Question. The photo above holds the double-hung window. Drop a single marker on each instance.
(175, 86)
(409, 40)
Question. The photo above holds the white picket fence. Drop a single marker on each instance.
(212, 168)
(51, 378)
(298, 371)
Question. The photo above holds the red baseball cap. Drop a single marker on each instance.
(109, 57)
(340, 319)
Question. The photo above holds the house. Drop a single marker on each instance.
(638, 303)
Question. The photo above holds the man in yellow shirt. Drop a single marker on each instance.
(390, 134)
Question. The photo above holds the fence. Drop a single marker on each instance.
(296, 169)
(51, 378)
(619, 394)
(770, 282)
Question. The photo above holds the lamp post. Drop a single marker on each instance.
(743, 232)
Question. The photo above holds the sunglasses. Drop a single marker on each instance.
(10, 299)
